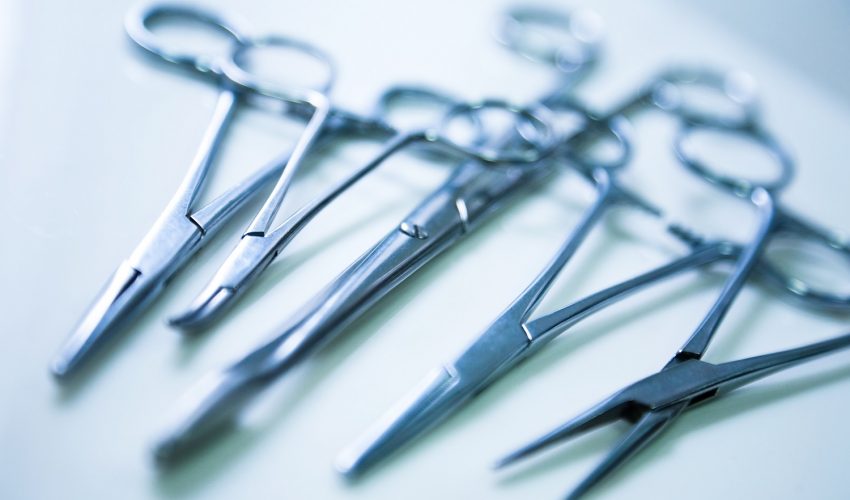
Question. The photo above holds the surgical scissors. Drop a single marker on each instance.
(472, 192)
(654, 402)
(255, 253)
(513, 336)
(181, 230)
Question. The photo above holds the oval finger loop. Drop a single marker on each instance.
(412, 107)
(509, 134)
(141, 22)
(267, 66)
(737, 159)
(606, 143)
(811, 264)
(567, 41)
(701, 95)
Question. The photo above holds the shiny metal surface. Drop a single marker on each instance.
(391, 261)
(654, 402)
(472, 192)
(513, 336)
(181, 229)
(58, 145)
(256, 251)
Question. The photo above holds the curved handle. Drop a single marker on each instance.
(420, 107)
(702, 95)
(738, 185)
(809, 292)
(138, 26)
(536, 135)
(567, 41)
(237, 69)
(406, 96)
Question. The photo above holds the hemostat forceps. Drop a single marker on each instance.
(471, 193)
(182, 229)
(255, 252)
(654, 402)
(288, 348)
(513, 336)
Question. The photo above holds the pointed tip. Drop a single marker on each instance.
(510, 458)
(121, 297)
(204, 310)
(500, 464)
(435, 398)
(533, 447)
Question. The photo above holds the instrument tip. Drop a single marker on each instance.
(171, 448)
(208, 410)
(115, 303)
(505, 461)
(72, 355)
(348, 466)
(60, 367)
(439, 394)
(204, 310)
(165, 450)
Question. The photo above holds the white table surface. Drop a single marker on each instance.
(95, 138)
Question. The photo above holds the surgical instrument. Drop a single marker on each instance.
(255, 253)
(471, 193)
(654, 402)
(181, 230)
(513, 336)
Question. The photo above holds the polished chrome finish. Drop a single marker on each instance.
(260, 246)
(181, 230)
(472, 192)
(654, 402)
(513, 336)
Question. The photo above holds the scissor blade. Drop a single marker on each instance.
(124, 291)
(643, 431)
